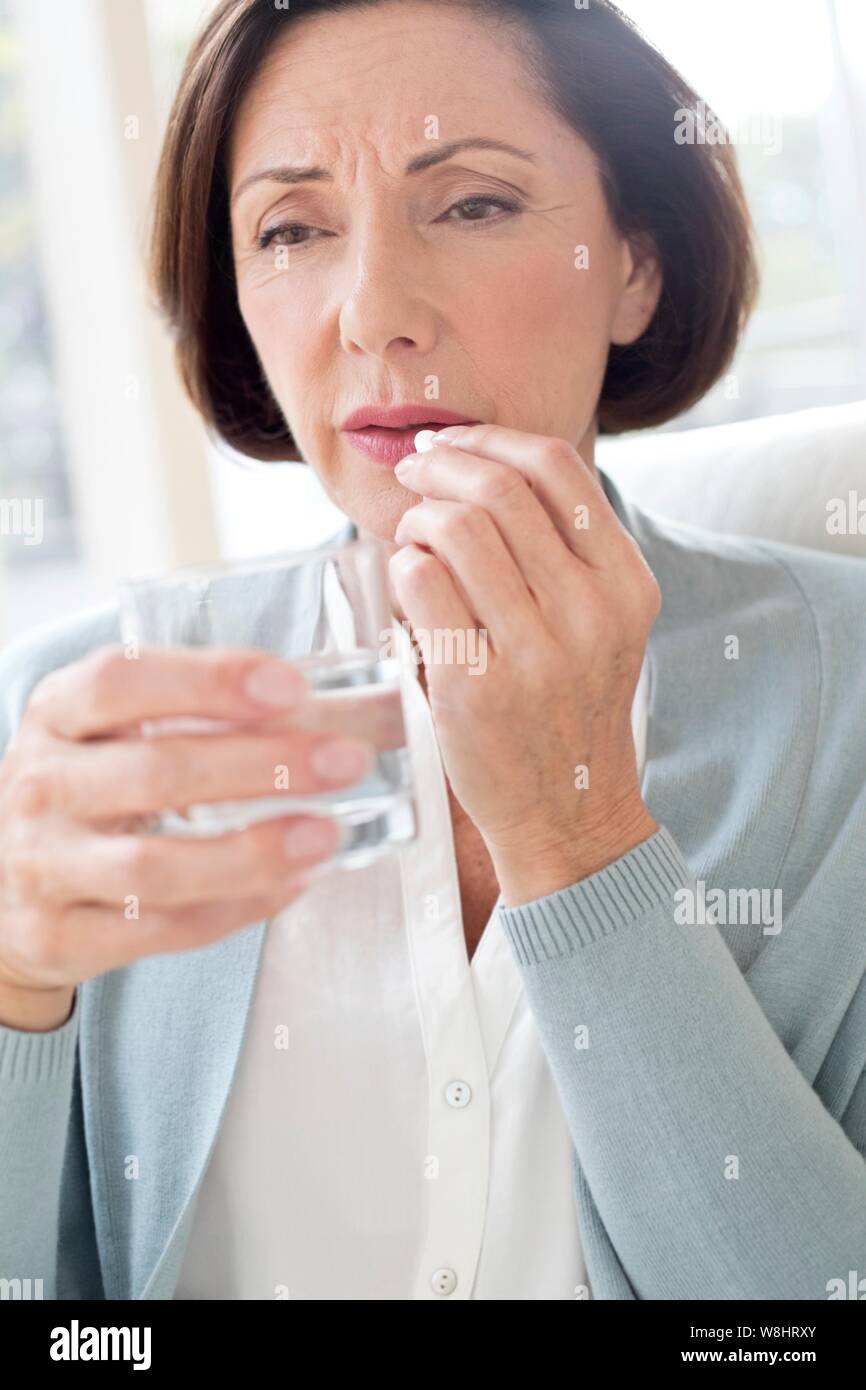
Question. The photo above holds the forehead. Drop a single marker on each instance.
(377, 79)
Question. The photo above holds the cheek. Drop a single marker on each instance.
(279, 325)
(565, 302)
(546, 325)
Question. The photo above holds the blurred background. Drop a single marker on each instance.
(92, 420)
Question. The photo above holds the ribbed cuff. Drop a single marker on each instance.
(628, 890)
(29, 1058)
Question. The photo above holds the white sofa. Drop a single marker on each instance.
(771, 477)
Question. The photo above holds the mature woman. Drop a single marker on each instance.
(602, 1030)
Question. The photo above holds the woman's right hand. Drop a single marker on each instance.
(78, 772)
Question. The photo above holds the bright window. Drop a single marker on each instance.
(775, 73)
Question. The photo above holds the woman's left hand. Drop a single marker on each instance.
(515, 536)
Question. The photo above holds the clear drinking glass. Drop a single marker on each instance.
(328, 612)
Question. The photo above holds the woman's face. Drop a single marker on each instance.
(460, 284)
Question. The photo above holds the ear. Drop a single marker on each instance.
(640, 288)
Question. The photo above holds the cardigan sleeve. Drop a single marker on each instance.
(714, 1165)
(46, 1224)
(37, 1075)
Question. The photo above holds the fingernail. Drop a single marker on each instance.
(341, 760)
(309, 837)
(273, 683)
(450, 432)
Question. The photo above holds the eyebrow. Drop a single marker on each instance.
(289, 173)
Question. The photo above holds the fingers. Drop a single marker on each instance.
(424, 586)
(107, 690)
(167, 872)
(532, 537)
(111, 778)
(469, 543)
(372, 713)
(563, 484)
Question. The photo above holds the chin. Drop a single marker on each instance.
(379, 514)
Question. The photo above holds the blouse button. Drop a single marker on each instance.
(458, 1094)
(444, 1281)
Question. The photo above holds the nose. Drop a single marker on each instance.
(386, 305)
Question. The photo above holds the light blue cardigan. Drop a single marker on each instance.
(718, 1111)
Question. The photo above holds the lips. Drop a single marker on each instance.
(401, 417)
(385, 446)
(387, 434)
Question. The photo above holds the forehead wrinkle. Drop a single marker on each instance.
(322, 108)
(344, 156)
(321, 126)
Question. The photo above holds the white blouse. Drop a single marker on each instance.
(392, 1131)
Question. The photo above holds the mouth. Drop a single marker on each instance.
(387, 435)
(388, 446)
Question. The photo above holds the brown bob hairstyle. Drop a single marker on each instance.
(599, 73)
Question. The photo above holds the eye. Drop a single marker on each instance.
(271, 234)
(282, 230)
(506, 205)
